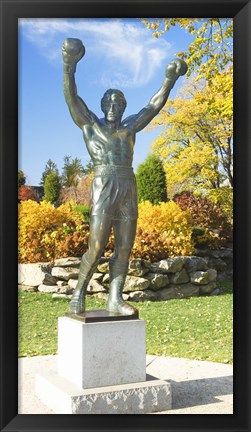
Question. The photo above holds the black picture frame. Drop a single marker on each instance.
(10, 12)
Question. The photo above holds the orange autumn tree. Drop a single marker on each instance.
(27, 193)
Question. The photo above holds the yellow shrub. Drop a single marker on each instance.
(46, 233)
(164, 230)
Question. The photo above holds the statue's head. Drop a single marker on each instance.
(113, 104)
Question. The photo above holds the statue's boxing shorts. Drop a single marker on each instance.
(114, 192)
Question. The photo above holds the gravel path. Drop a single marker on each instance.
(198, 387)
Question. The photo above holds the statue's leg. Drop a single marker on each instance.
(100, 228)
(124, 234)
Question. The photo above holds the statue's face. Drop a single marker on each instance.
(114, 109)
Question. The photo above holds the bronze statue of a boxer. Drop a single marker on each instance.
(113, 204)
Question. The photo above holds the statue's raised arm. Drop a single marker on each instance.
(174, 70)
(73, 50)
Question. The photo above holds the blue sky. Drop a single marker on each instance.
(120, 53)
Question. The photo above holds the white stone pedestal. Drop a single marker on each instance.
(102, 370)
(101, 353)
(64, 397)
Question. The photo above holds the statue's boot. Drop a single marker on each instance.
(115, 303)
(77, 303)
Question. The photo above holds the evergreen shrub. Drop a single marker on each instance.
(151, 181)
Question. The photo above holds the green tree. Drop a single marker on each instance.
(89, 168)
(151, 181)
(21, 179)
(72, 171)
(52, 187)
(49, 168)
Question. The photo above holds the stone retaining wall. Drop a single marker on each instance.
(221, 260)
(177, 277)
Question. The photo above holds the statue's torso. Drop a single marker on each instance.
(108, 146)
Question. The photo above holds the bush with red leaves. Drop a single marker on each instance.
(211, 226)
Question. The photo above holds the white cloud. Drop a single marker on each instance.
(136, 54)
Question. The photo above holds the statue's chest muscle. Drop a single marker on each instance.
(106, 139)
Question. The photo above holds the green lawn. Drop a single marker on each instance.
(198, 328)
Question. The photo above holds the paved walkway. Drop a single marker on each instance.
(198, 387)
